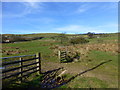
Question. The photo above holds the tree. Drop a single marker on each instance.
(90, 35)
(63, 38)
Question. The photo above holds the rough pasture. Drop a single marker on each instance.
(91, 54)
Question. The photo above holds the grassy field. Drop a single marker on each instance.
(91, 54)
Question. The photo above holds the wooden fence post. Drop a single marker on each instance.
(38, 56)
(5, 69)
(59, 54)
(21, 69)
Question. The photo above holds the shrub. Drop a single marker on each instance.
(90, 35)
(78, 40)
(63, 38)
(100, 41)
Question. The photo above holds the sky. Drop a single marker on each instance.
(59, 17)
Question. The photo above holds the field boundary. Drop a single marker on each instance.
(20, 73)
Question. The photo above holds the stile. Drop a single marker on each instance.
(62, 55)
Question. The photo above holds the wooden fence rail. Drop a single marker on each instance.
(21, 71)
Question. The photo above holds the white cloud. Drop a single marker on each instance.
(32, 7)
(84, 29)
(31, 4)
(109, 6)
(28, 8)
(113, 25)
(88, 6)
(84, 7)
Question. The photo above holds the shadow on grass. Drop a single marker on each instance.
(26, 85)
(51, 81)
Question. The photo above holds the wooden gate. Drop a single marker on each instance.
(20, 68)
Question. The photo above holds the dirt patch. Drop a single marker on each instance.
(13, 50)
(10, 47)
(71, 68)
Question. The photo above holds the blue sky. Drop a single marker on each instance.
(59, 17)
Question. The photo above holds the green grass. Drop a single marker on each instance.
(104, 76)
(33, 47)
(103, 56)
(87, 82)
(110, 69)
(34, 83)
(104, 39)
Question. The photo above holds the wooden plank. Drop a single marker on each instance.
(8, 70)
(63, 56)
(16, 56)
(20, 73)
(21, 77)
(17, 61)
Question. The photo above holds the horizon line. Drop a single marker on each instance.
(61, 33)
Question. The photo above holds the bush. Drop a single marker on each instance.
(63, 38)
(78, 40)
(90, 35)
(100, 41)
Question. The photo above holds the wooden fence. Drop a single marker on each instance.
(20, 70)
